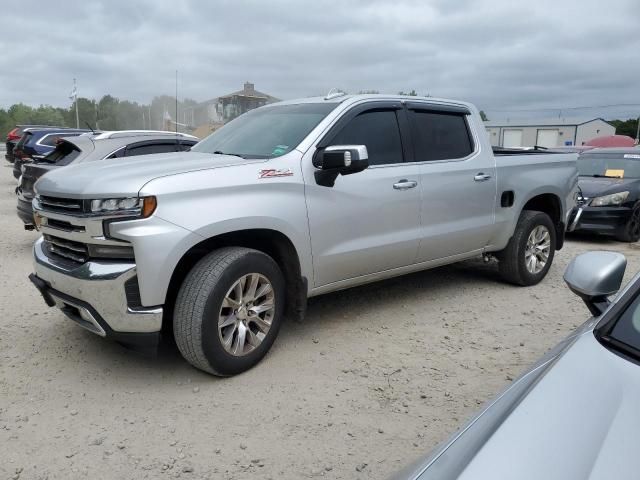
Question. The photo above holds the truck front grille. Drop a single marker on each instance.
(67, 250)
(62, 205)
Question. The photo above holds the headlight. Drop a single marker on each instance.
(135, 206)
(609, 200)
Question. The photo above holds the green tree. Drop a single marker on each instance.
(412, 93)
(625, 127)
(107, 113)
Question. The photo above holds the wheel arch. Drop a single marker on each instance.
(550, 204)
(271, 242)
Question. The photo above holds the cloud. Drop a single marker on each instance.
(499, 54)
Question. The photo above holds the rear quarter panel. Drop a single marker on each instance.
(529, 176)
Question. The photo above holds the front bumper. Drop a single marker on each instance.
(94, 296)
(25, 210)
(606, 220)
(17, 167)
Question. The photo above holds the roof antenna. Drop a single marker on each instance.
(334, 93)
(177, 104)
(89, 125)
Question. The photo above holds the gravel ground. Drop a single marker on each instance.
(374, 378)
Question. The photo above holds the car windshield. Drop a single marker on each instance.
(610, 165)
(64, 154)
(266, 132)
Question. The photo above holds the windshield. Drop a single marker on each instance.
(64, 154)
(612, 165)
(266, 132)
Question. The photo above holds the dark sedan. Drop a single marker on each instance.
(610, 193)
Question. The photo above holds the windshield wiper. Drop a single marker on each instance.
(604, 176)
(218, 152)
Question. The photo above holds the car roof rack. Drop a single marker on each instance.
(140, 133)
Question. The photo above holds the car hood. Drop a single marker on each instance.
(577, 420)
(596, 187)
(120, 177)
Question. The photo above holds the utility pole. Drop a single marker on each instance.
(177, 117)
(74, 97)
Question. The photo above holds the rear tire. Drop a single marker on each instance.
(631, 230)
(221, 325)
(530, 251)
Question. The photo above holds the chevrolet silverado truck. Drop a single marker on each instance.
(289, 201)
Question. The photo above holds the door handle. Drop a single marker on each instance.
(405, 184)
(482, 177)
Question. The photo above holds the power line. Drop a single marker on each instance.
(614, 105)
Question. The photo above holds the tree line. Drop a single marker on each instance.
(111, 113)
(108, 113)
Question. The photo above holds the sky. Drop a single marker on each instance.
(505, 56)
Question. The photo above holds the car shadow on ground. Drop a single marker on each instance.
(326, 311)
(330, 308)
(592, 238)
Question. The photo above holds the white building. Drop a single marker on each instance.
(548, 132)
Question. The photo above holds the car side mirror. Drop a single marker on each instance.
(339, 160)
(594, 276)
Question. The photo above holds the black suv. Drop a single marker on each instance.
(38, 142)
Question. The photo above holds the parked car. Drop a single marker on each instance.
(80, 149)
(574, 413)
(35, 143)
(288, 201)
(13, 137)
(609, 201)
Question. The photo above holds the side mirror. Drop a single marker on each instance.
(594, 276)
(345, 158)
(339, 160)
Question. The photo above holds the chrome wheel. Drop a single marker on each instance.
(538, 248)
(246, 314)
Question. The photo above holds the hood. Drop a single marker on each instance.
(579, 420)
(122, 177)
(596, 187)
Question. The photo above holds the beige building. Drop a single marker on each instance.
(549, 132)
(220, 110)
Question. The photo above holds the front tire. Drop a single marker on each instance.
(530, 251)
(631, 231)
(229, 310)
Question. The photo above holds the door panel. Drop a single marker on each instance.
(363, 224)
(369, 221)
(457, 211)
(458, 185)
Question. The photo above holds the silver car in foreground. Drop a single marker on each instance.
(574, 414)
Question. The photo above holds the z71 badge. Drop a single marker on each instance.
(275, 172)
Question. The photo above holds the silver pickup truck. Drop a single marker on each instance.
(289, 201)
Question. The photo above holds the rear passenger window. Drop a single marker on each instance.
(50, 140)
(378, 131)
(53, 140)
(439, 136)
(148, 149)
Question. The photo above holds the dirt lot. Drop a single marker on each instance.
(374, 378)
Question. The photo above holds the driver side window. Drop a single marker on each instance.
(376, 129)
